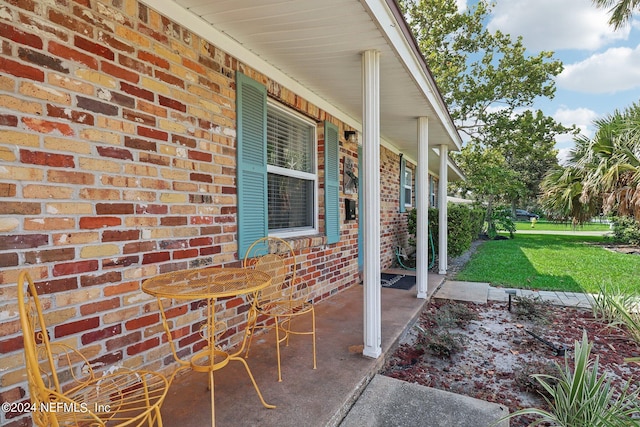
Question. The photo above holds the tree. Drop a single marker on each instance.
(529, 150)
(612, 163)
(488, 178)
(602, 172)
(561, 196)
(490, 85)
(621, 10)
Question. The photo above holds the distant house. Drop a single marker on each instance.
(140, 137)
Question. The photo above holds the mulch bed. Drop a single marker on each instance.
(498, 354)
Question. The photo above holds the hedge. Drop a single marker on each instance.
(464, 226)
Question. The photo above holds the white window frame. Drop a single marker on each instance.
(309, 176)
(408, 186)
(433, 201)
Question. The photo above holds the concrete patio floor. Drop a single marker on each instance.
(305, 397)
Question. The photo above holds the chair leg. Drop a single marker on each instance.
(255, 385)
(278, 348)
(313, 335)
(158, 417)
(212, 396)
(251, 331)
(287, 329)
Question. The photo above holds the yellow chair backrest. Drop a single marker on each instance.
(36, 342)
(63, 387)
(275, 257)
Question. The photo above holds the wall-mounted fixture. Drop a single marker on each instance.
(350, 179)
(351, 135)
(349, 209)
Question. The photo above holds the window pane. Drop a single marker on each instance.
(407, 196)
(290, 202)
(408, 187)
(289, 142)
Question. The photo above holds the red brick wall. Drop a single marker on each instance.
(117, 162)
(393, 226)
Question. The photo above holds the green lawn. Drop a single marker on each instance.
(552, 262)
(553, 226)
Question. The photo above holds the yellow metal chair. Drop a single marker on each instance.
(65, 390)
(286, 299)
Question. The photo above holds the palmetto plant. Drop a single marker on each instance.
(582, 396)
(561, 193)
(601, 171)
(613, 163)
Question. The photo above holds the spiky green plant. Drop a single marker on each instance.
(618, 309)
(584, 397)
(629, 316)
(601, 304)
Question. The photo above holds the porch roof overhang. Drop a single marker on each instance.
(314, 48)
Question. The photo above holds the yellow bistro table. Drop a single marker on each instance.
(209, 284)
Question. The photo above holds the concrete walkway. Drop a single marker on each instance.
(564, 233)
(388, 402)
(481, 292)
(566, 299)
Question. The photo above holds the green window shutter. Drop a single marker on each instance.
(251, 113)
(403, 167)
(331, 183)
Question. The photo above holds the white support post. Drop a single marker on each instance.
(422, 204)
(371, 202)
(442, 211)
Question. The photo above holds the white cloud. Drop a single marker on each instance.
(555, 25)
(615, 70)
(581, 117)
(563, 156)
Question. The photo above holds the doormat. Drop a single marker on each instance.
(397, 281)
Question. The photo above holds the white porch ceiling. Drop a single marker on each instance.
(318, 44)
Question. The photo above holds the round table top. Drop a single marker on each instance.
(210, 282)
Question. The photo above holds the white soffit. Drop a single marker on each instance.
(314, 47)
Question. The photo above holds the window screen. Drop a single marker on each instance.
(408, 181)
(291, 178)
(289, 142)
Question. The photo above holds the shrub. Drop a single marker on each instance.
(439, 340)
(464, 226)
(626, 230)
(460, 314)
(531, 308)
(501, 220)
(443, 343)
(477, 216)
(460, 229)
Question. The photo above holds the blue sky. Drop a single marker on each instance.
(601, 66)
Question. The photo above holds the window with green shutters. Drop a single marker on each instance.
(277, 170)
